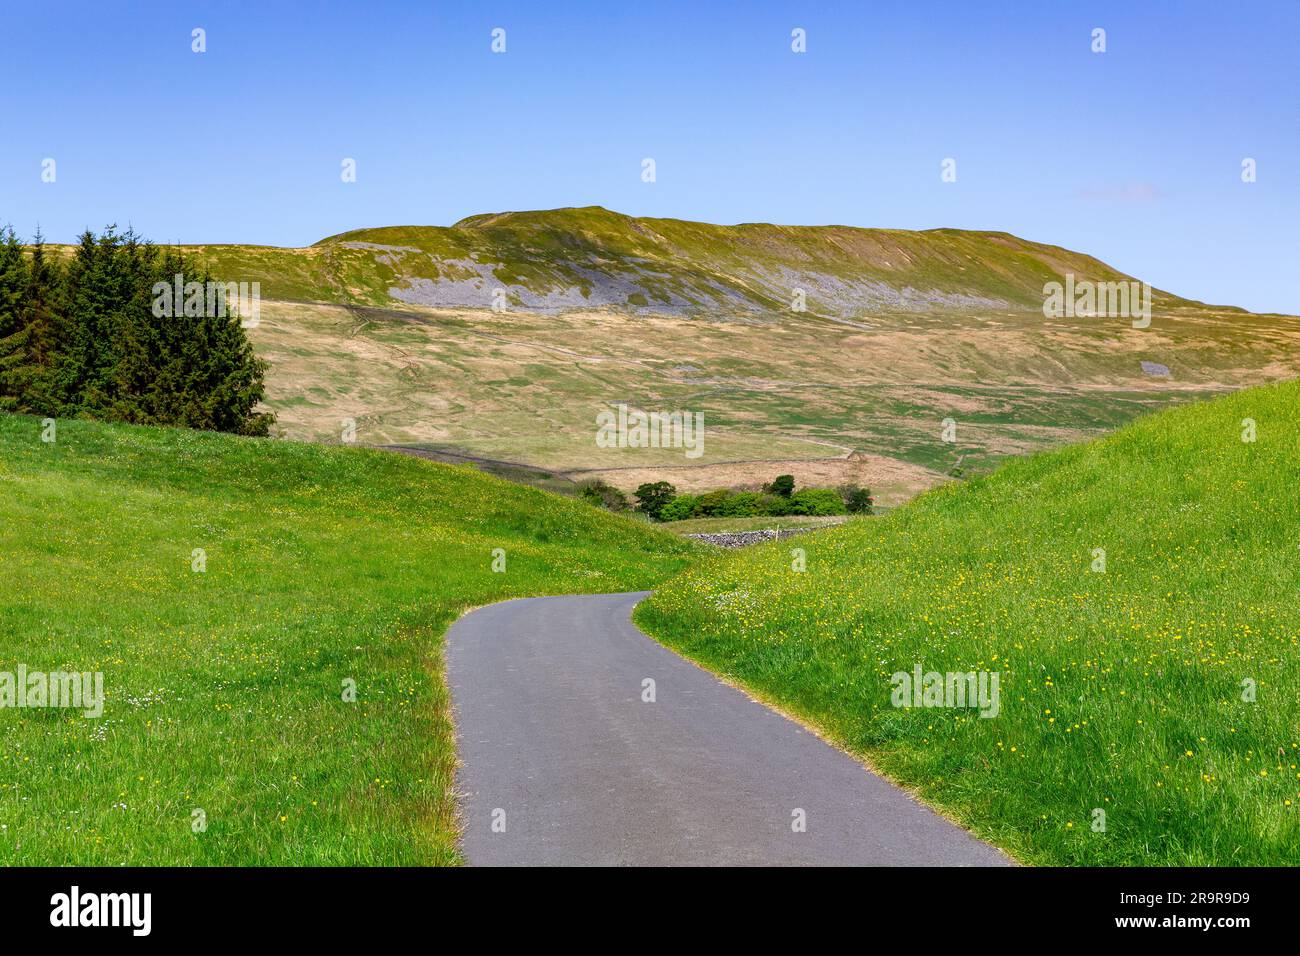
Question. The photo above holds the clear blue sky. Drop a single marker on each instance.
(1133, 155)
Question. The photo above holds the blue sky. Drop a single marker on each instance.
(1133, 155)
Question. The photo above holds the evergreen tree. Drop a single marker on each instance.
(30, 352)
(14, 279)
(87, 339)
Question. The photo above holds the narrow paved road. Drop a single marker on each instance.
(564, 763)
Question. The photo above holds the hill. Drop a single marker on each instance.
(593, 258)
(226, 736)
(392, 329)
(1155, 683)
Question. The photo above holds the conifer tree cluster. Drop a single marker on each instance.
(81, 335)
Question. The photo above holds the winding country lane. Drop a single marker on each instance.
(560, 751)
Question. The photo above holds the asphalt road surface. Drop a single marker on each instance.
(564, 763)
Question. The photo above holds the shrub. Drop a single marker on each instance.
(712, 504)
(817, 501)
(776, 506)
(652, 496)
(857, 501)
(679, 509)
(602, 494)
(725, 503)
(742, 504)
(782, 486)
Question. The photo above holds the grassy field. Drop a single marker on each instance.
(1123, 690)
(225, 688)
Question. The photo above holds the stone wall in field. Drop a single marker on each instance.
(740, 539)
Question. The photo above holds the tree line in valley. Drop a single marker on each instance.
(88, 334)
(660, 501)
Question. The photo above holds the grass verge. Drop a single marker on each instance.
(1161, 691)
(225, 687)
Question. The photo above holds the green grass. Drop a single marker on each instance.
(1120, 691)
(224, 688)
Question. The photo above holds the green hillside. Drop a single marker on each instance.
(592, 257)
(224, 689)
(1121, 690)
